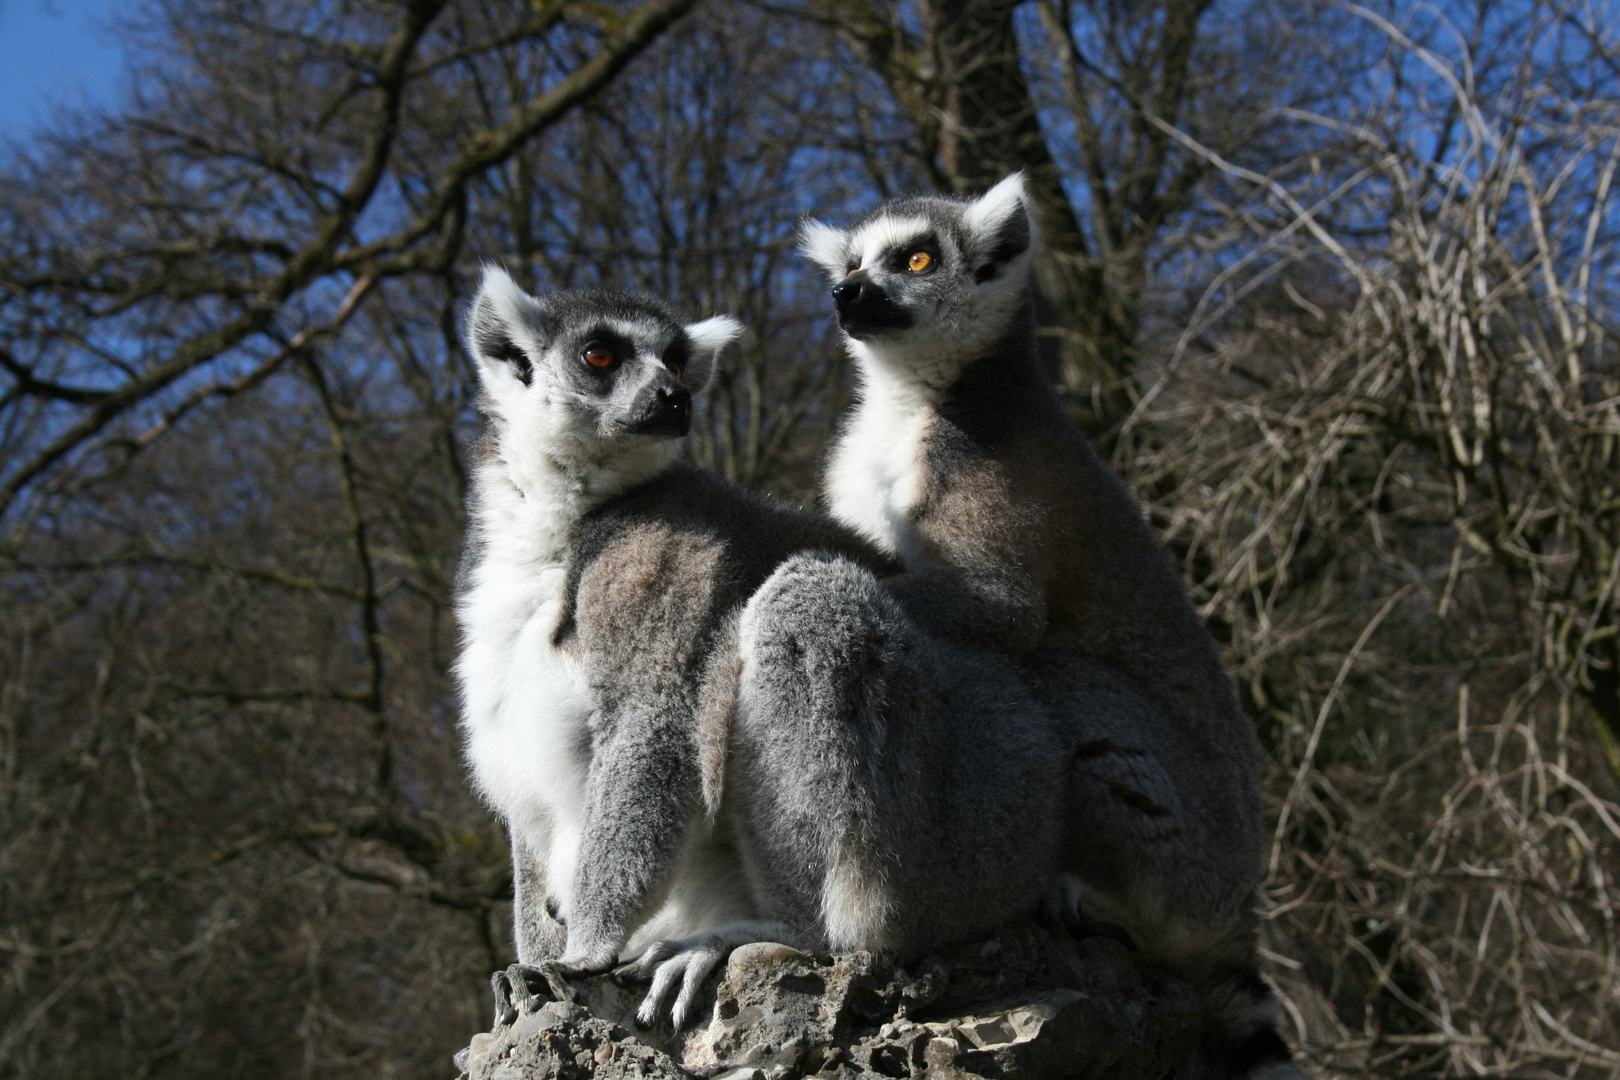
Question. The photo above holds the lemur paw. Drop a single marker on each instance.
(519, 989)
(578, 965)
(686, 962)
(1060, 909)
(1060, 903)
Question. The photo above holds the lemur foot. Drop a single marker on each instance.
(519, 988)
(1060, 903)
(1060, 909)
(687, 962)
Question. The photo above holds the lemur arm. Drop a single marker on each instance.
(642, 800)
(642, 623)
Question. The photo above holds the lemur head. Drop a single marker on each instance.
(923, 285)
(593, 383)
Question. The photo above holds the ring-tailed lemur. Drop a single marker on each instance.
(585, 395)
(960, 459)
(613, 616)
(601, 591)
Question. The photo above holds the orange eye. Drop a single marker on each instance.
(598, 356)
(920, 261)
(674, 368)
(851, 270)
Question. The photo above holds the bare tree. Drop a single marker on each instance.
(237, 838)
(1384, 432)
(1106, 177)
(1341, 292)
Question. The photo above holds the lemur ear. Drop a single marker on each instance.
(504, 324)
(707, 338)
(825, 246)
(999, 228)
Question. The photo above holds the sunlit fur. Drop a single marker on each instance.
(553, 452)
(959, 458)
(873, 477)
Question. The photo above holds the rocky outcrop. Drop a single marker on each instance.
(1025, 1003)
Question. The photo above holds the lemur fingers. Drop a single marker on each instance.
(519, 989)
(689, 962)
(652, 1006)
(505, 1011)
(698, 964)
(689, 968)
(512, 993)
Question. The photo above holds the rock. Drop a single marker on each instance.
(1025, 1004)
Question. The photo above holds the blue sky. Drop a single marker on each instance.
(54, 52)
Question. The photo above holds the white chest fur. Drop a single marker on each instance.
(879, 468)
(525, 708)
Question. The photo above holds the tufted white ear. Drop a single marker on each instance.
(825, 246)
(999, 226)
(708, 338)
(991, 210)
(504, 324)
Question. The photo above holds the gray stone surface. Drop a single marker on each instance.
(1024, 1004)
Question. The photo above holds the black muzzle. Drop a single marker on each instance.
(865, 308)
(664, 411)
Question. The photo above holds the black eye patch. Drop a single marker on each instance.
(621, 348)
(898, 258)
(677, 354)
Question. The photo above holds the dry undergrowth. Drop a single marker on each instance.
(1390, 459)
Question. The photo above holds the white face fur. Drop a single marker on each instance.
(923, 286)
(587, 382)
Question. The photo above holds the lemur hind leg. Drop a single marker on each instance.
(538, 931)
(539, 934)
(1161, 843)
(1159, 839)
(894, 791)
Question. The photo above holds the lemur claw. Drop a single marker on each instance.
(509, 996)
(519, 988)
(557, 983)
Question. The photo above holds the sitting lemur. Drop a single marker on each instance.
(1014, 535)
(611, 610)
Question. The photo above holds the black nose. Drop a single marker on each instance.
(677, 401)
(666, 412)
(849, 294)
(865, 309)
